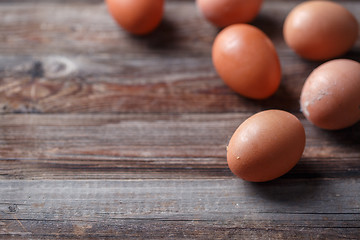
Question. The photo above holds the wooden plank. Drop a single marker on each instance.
(163, 209)
(86, 28)
(61, 58)
(190, 85)
(148, 146)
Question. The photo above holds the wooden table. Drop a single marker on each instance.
(107, 135)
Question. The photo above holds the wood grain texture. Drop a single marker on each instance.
(104, 135)
(206, 209)
(151, 146)
(60, 58)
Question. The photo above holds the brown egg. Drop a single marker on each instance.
(320, 30)
(223, 13)
(266, 146)
(330, 98)
(137, 16)
(247, 61)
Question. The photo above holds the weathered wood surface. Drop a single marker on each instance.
(151, 146)
(107, 135)
(207, 209)
(61, 58)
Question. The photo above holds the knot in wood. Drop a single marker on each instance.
(58, 67)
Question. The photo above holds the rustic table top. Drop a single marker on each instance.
(108, 135)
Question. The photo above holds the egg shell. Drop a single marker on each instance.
(330, 97)
(247, 61)
(320, 30)
(138, 17)
(266, 146)
(226, 12)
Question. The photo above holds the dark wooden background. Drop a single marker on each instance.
(108, 135)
